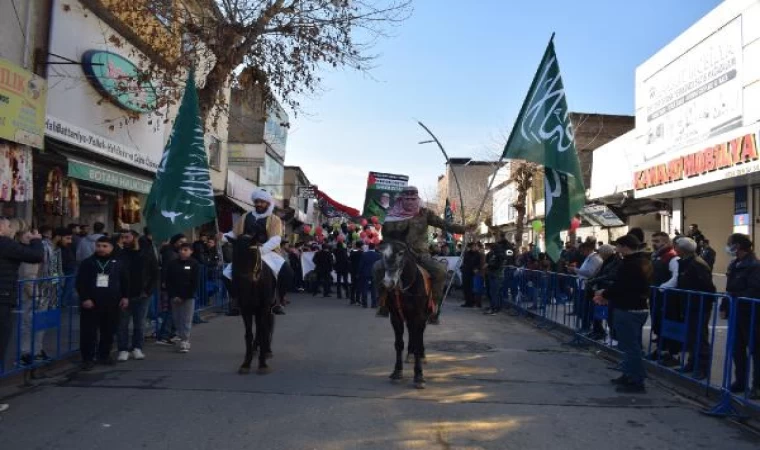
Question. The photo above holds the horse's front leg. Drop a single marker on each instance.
(248, 323)
(262, 333)
(398, 330)
(418, 329)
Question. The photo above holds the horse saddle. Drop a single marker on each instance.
(432, 306)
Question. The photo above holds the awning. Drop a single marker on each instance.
(242, 205)
(108, 176)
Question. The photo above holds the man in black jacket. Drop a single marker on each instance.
(12, 254)
(629, 295)
(694, 274)
(169, 253)
(355, 258)
(103, 287)
(743, 283)
(496, 262)
(142, 267)
(470, 264)
(342, 267)
(323, 261)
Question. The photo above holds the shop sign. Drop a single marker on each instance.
(694, 97)
(87, 172)
(119, 80)
(736, 153)
(307, 191)
(22, 105)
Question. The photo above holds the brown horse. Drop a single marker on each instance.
(254, 285)
(409, 301)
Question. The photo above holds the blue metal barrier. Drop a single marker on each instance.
(686, 336)
(46, 319)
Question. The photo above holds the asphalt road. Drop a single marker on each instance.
(493, 383)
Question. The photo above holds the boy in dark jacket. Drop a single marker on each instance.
(355, 258)
(103, 287)
(324, 262)
(182, 276)
(142, 266)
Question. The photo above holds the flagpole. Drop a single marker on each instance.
(461, 208)
(509, 141)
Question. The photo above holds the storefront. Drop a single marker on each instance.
(22, 125)
(104, 131)
(698, 125)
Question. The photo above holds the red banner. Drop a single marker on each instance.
(331, 208)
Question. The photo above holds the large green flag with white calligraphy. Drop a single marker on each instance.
(181, 197)
(543, 135)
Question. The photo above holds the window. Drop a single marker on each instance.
(163, 10)
(214, 152)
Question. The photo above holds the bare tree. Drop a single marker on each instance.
(273, 48)
(522, 174)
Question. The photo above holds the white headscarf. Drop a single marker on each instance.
(261, 194)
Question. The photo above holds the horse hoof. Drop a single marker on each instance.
(424, 360)
(419, 383)
(409, 359)
(264, 370)
(244, 370)
(397, 375)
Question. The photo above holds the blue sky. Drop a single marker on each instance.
(463, 68)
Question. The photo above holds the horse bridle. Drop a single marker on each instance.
(256, 275)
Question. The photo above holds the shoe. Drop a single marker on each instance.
(670, 361)
(138, 354)
(174, 339)
(328, 295)
(106, 361)
(489, 312)
(631, 388)
(364, 306)
(164, 342)
(4, 407)
(123, 356)
(466, 305)
(26, 360)
(654, 356)
(737, 388)
(597, 335)
(434, 321)
(278, 310)
(184, 346)
(754, 394)
(87, 366)
(42, 356)
(622, 379)
(383, 312)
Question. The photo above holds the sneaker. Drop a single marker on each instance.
(622, 379)
(278, 310)
(138, 354)
(434, 321)
(87, 366)
(4, 407)
(175, 339)
(107, 361)
(42, 356)
(383, 312)
(123, 356)
(184, 346)
(164, 342)
(491, 312)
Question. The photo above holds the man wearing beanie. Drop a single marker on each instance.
(629, 296)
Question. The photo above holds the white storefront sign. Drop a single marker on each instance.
(613, 165)
(693, 97)
(77, 113)
(239, 188)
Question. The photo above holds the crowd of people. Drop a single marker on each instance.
(112, 277)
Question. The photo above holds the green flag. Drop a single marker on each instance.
(543, 134)
(181, 197)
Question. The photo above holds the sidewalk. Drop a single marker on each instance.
(493, 383)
